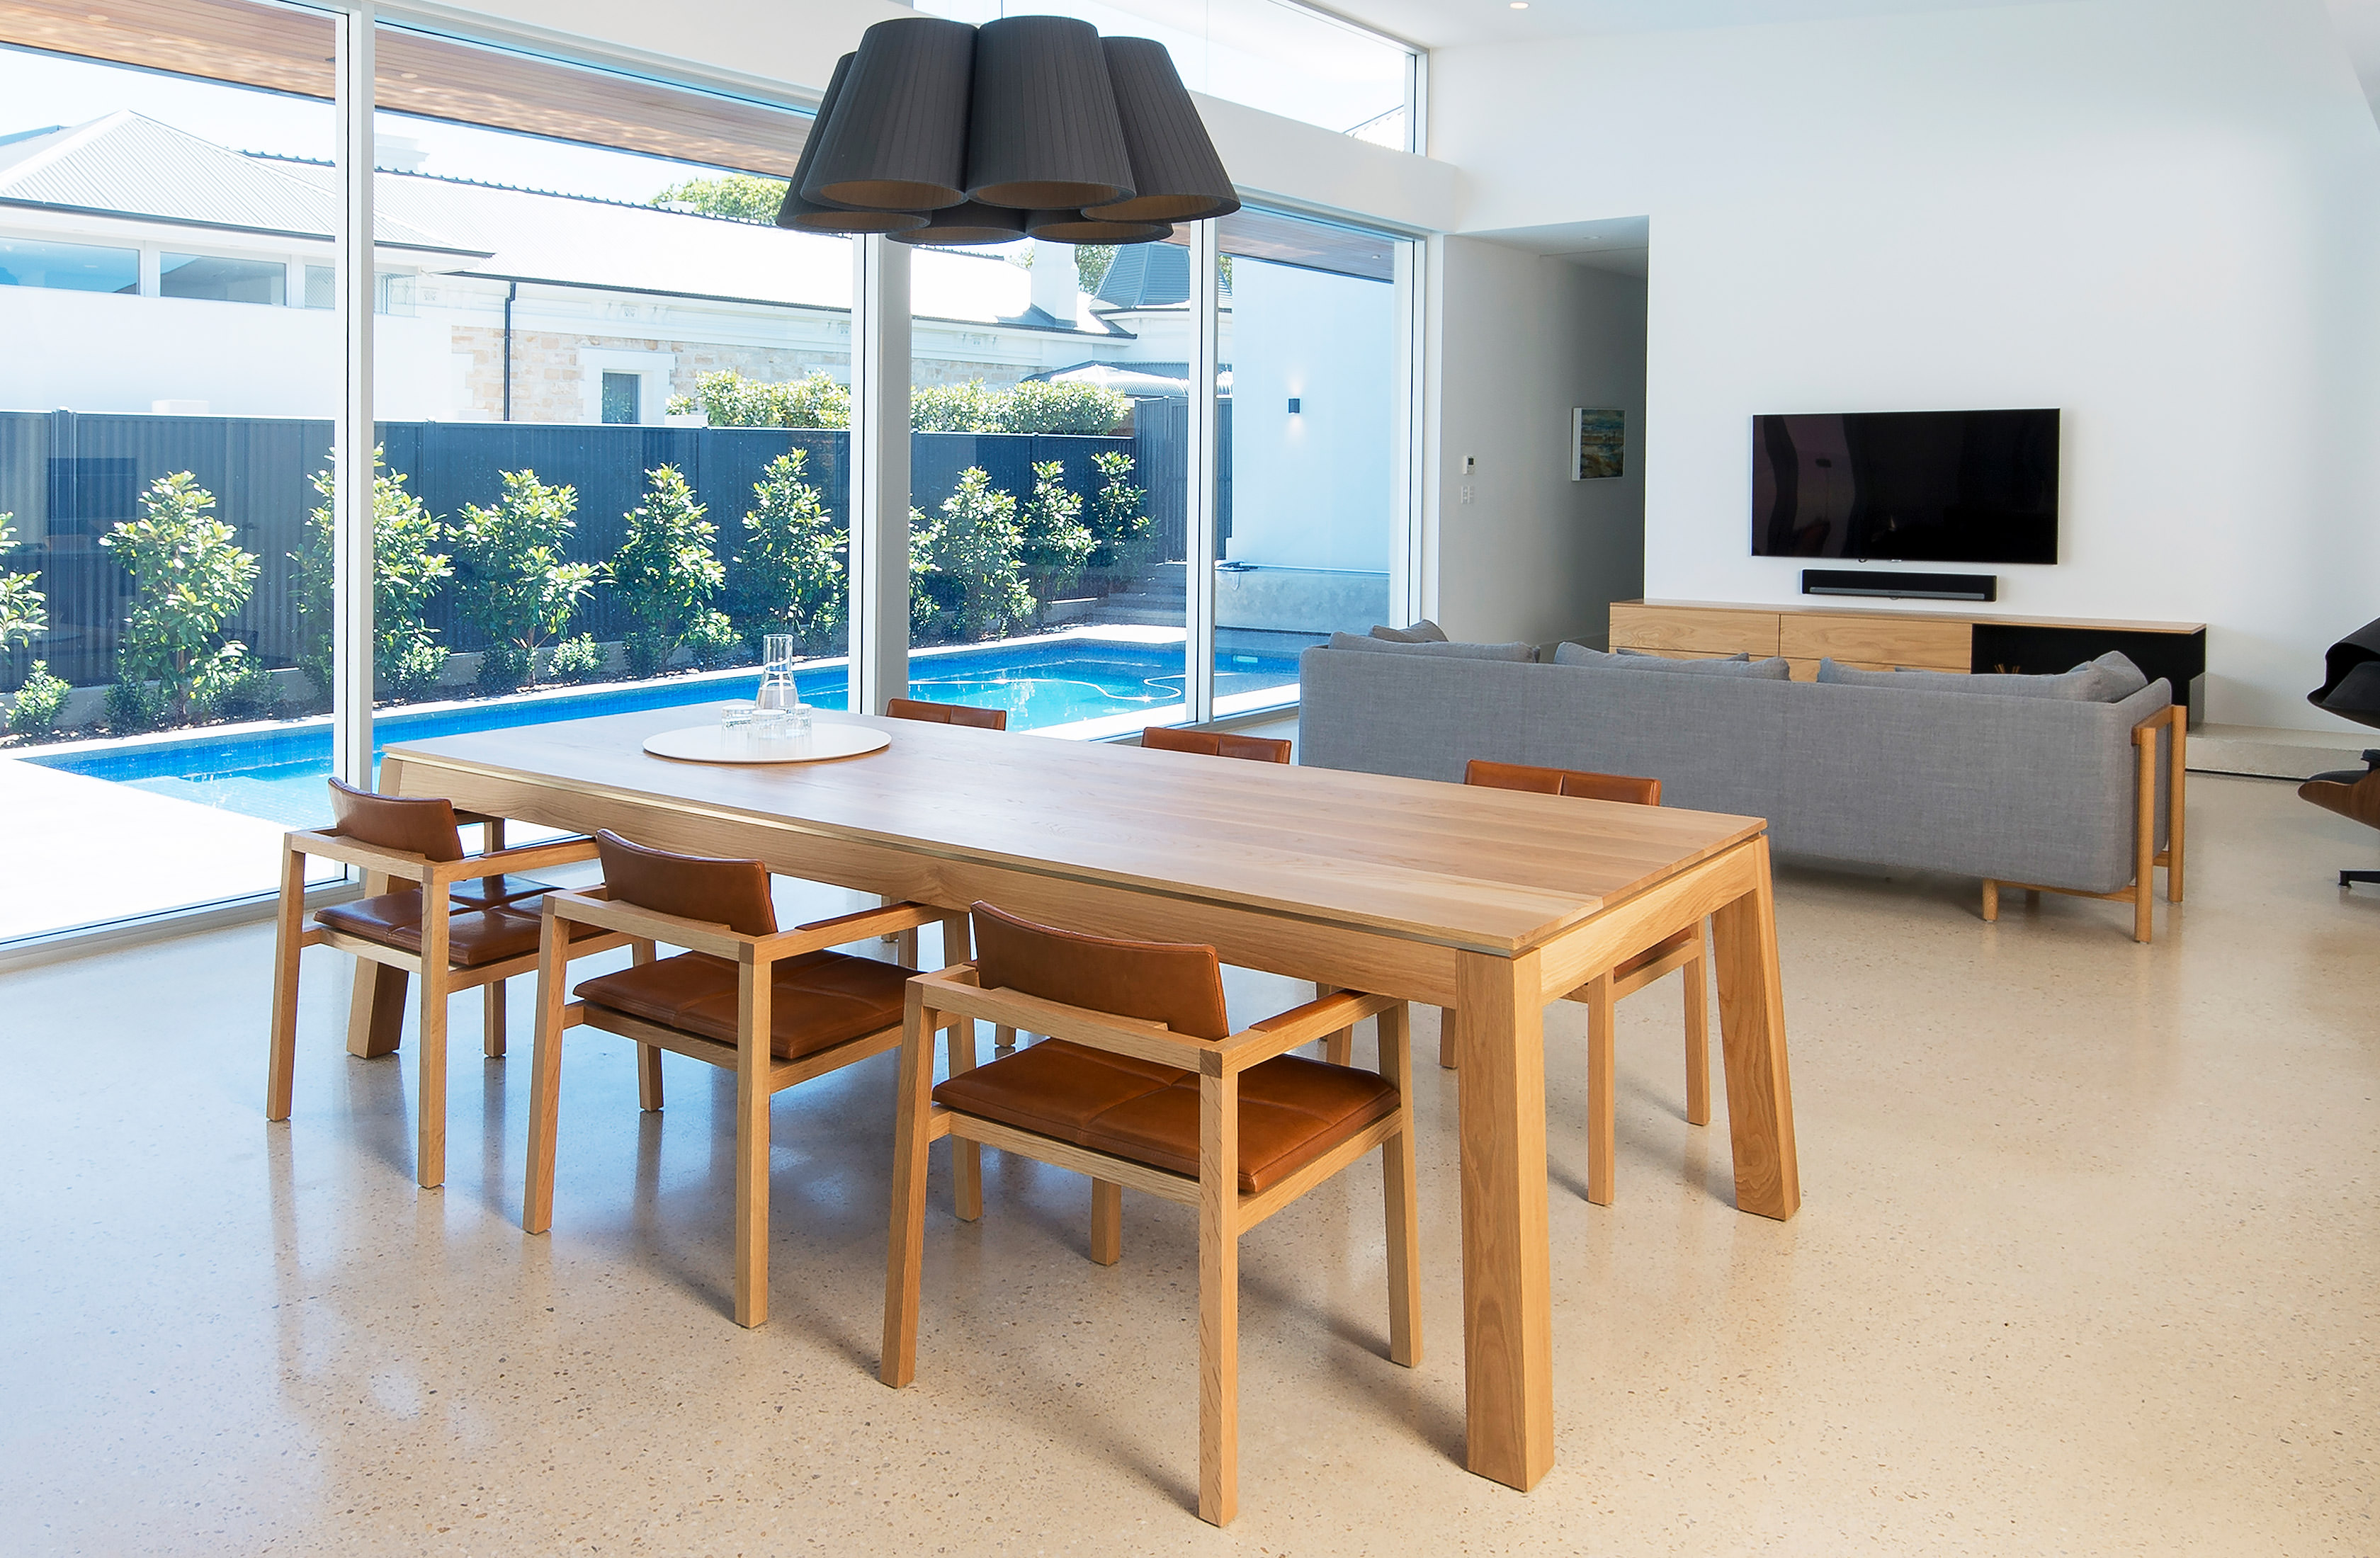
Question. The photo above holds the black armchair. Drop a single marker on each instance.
(2351, 688)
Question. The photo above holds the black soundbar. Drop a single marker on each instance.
(1913, 586)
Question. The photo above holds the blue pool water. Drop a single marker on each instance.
(278, 774)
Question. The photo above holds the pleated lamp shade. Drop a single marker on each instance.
(973, 222)
(1176, 177)
(808, 216)
(897, 139)
(1075, 227)
(1043, 131)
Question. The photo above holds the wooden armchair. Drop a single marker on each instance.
(946, 713)
(462, 922)
(1142, 1084)
(1216, 744)
(1601, 995)
(775, 1008)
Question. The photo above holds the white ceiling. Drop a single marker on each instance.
(2359, 29)
(1443, 23)
(1621, 245)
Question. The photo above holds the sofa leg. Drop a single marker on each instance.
(1991, 901)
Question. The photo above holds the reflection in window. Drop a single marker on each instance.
(221, 280)
(620, 397)
(69, 267)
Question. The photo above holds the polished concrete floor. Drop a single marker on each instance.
(2086, 1265)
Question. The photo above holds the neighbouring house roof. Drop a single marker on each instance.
(128, 164)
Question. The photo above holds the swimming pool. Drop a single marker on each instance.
(277, 773)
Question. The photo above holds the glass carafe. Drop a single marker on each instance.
(780, 710)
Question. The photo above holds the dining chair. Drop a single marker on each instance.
(775, 1008)
(452, 921)
(1142, 1084)
(1682, 951)
(946, 713)
(1215, 743)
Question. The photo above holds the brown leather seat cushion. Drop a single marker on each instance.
(818, 1000)
(474, 938)
(1292, 1110)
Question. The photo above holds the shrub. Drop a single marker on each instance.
(976, 581)
(189, 577)
(712, 641)
(955, 408)
(407, 571)
(236, 686)
(133, 707)
(739, 197)
(1039, 407)
(665, 569)
(503, 667)
(510, 578)
(24, 610)
(39, 702)
(1118, 524)
(579, 660)
(789, 577)
(730, 400)
(925, 604)
(1055, 542)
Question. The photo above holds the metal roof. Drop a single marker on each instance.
(128, 164)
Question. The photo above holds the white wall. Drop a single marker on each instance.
(1311, 490)
(1518, 340)
(2162, 216)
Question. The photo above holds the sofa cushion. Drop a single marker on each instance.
(1773, 668)
(1526, 653)
(2109, 679)
(1422, 631)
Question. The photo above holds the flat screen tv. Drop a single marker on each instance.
(1907, 486)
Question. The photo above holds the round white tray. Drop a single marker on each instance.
(709, 743)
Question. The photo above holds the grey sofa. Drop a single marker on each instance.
(2027, 791)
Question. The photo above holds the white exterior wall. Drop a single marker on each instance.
(1311, 490)
(2162, 216)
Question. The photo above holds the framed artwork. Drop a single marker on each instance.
(1599, 443)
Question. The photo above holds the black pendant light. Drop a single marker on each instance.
(1079, 227)
(1175, 174)
(1043, 131)
(973, 222)
(808, 216)
(897, 139)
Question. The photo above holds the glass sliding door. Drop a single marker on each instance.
(612, 396)
(165, 400)
(1048, 393)
(1310, 431)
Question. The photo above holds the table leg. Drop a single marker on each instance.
(1752, 1038)
(1506, 1283)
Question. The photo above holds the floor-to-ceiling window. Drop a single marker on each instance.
(611, 444)
(1311, 398)
(166, 412)
(1047, 478)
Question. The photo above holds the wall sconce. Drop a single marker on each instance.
(1293, 405)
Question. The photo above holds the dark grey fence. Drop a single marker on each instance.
(69, 475)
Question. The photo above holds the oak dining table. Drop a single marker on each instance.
(1491, 903)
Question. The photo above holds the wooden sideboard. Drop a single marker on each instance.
(1916, 640)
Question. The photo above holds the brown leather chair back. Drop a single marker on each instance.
(734, 893)
(1154, 981)
(946, 713)
(421, 824)
(1216, 744)
(1563, 781)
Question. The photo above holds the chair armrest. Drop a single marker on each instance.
(697, 936)
(521, 857)
(1259, 1042)
(955, 991)
(882, 920)
(371, 857)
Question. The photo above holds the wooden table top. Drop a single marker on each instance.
(1490, 870)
